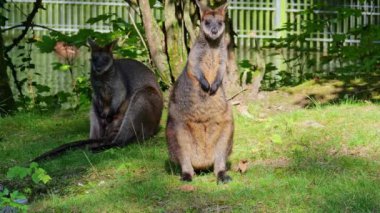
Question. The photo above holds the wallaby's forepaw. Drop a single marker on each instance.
(109, 118)
(214, 88)
(223, 178)
(186, 177)
(204, 85)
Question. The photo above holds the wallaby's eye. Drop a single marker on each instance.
(207, 22)
(220, 23)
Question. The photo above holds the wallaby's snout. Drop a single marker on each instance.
(214, 30)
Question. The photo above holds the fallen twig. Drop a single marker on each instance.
(237, 94)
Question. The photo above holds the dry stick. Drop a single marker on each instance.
(138, 32)
(138, 142)
(96, 171)
(237, 94)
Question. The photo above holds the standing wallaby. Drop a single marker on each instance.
(126, 103)
(200, 123)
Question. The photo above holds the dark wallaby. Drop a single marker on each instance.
(200, 123)
(126, 103)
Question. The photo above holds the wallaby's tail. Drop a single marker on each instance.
(66, 147)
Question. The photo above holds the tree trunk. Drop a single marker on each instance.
(256, 84)
(156, 41)
(259, 75)
(175, 36)
(231, 79)
(7, 102)
(190, 17)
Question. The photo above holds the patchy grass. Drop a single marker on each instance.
(322, 159)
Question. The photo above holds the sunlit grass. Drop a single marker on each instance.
(322, 159)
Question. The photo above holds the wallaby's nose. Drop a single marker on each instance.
(214, 30)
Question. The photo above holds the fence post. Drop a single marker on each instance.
(280, 16)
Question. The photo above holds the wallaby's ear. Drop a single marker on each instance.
(92, 44)
(202, 8)
(222, 9)
(111, 45)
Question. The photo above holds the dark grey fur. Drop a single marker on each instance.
(126, 104)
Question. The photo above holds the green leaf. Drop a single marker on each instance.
(61, 67)
(269, 67)
(41, 88)
(5, 192)
(18, 172)
(80, 38)
(99, 18)
(26, 59)
(153, 2)
(40, 175)
(249, 78)
(33, 165)
(17, 195)
(47, 44)
(245, 64)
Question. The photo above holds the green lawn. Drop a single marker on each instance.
(321, 159)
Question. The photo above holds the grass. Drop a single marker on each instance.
(321, 159)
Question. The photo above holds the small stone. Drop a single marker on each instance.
(312, 124)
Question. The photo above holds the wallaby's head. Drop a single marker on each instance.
(212, 20)
(101, 57)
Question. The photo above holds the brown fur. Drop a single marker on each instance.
(200, 123)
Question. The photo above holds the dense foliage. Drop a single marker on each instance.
(353, 52)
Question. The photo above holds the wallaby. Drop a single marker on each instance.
(200, 124)
(126, 102)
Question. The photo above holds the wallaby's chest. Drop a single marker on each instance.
(196, 105)
(110, 97)
(103, 94)
(210, 64)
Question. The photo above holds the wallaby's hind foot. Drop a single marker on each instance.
(223, 178)
(186, 177)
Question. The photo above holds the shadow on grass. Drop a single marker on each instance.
(175, 169)
(342, 88)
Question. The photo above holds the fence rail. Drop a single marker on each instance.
(251, 19)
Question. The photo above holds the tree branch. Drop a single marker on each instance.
(31, 25)
(138, 32)
(27, 23)
(14, 74)
(6, 96)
